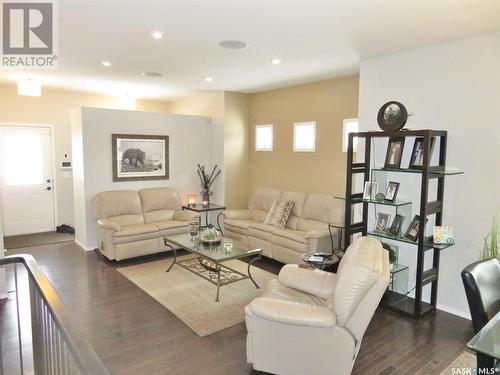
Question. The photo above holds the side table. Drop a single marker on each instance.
(200, 208)
(320, 260)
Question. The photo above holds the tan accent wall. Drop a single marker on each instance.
(236, 145)
(229, 113)
(53, 108)
(326, 102)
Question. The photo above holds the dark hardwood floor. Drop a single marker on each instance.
(133, 334)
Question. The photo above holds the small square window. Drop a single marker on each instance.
(350, 126)
(304, 136)
(264, 137)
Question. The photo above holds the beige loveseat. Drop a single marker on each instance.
(131, 223)
(306, 229)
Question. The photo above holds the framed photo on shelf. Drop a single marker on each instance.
(397, 224)
(370, 190)
(413, 230)
(417, 155)
(382, 223)
(394, 153)
(392, 191)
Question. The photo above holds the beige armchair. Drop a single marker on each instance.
(311, 321)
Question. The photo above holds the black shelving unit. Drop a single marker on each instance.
(414, 307)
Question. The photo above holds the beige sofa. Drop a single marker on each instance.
(131, 223)
(306, 229)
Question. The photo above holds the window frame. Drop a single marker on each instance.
(263, 126)
(345, 137)
(302, 123)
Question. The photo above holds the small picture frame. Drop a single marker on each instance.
(394, 153)
(417, 154)
(370, 190)
(413, 230)
(392, 191)
(382, 224)
(396, 226)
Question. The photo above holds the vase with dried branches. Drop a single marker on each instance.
(206, 180)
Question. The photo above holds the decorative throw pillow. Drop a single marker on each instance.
(279, 213)
(270, 214)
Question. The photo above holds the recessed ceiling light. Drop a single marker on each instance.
(152, 74)
(157, 34)
(233, 44)
(276, 61)
(29, 86)
(208, 79)
(106, 63)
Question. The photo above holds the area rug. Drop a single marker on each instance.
(36, 239)
(192, 298)
(465, 360)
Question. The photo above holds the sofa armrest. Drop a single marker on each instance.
(316, 282)
(316, 234)
(109, 224)
(294, 313)
(237, 214)
(186, 215)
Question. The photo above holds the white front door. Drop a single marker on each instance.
(26, 179)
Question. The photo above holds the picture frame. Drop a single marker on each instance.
(382, 223)
(417, 154)
(392, 191)
(413, 230)
(396, 225)
(370, 190)
(137, 157)
(394, 153)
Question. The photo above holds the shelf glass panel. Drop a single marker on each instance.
(448, 171)
(373, 201)
(427, 243)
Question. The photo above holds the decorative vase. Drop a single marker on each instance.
(210, 236)
(205, 196)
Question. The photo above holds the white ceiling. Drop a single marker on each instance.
(316, 40)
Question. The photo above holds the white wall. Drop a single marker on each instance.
(191, 142)
(455, 87)
(3, 284)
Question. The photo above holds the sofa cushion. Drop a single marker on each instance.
(276, 290)
(291, 239)
(158, 215)
(263, 198)
(159, 204)
(258, 215)
(131, 233)
(171, 224)
(238, 226)
(323, 207)
(117, 203)
(124, 220)
(262, 231)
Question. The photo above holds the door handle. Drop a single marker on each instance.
(48, 188)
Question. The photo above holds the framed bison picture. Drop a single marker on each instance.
(139, 157)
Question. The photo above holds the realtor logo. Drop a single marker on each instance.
(28, 35)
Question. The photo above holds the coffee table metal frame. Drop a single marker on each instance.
(215, 266)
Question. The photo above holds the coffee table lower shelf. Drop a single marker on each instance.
(214, 272)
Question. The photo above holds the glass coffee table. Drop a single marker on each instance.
(208, 263)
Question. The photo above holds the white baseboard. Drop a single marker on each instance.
(86, 248)
(451, 310)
